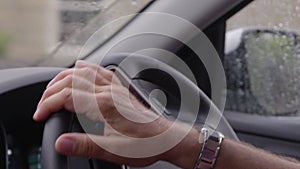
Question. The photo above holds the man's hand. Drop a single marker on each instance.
(98, 94)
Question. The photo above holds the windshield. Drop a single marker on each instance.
(52, 32)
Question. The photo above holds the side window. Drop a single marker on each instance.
(262, 59)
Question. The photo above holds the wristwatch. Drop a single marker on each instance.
(210, 149)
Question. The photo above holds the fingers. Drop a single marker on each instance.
(60, 76)
(86, 73)
(83, 65)
(71, 99)
(79, 144)
(93, 72)
(71, 81)
(86, 77)
(107, 74)
(53, 103)
(104, 72)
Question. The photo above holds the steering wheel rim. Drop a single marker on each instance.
(62, 121)
(57, 124)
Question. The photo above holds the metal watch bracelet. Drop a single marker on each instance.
(210, 149)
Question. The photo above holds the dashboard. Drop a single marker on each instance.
(20, 136)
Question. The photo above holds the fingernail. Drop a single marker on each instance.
(35, 114)
(66, 145)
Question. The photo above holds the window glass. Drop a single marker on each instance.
(51, 32)
(262, 59)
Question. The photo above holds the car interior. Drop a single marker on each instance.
(26, 144)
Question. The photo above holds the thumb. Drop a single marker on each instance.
(84, 145)
(79, 144)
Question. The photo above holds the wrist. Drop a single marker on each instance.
(186, 153)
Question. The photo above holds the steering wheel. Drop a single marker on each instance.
(142, 83)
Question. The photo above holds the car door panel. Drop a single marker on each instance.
(276, 134)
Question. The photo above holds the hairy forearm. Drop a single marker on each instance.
(232, 155)
(239, 155)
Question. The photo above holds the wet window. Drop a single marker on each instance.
(52, 32)
(262, 60)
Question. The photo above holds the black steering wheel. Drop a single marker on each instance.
(157, 76)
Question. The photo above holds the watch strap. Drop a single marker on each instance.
(210, 148)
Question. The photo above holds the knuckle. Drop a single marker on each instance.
(65, 73)
(85, 147)
(69, 78)
(106, 97)
(110, 73)
(105, 103)
(47, 92)
(101, 79)
(66, 92)
(89, 148)
(88, 73)
(88, 70)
